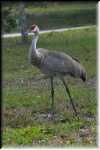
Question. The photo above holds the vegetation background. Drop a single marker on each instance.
(48, 15)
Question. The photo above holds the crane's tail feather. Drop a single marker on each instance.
(83, 75)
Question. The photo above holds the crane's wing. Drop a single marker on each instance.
(55, 62)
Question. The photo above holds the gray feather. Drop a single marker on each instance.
(55, 63)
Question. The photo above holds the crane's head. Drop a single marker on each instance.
(34, 29)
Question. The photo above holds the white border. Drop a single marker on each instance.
(98, 95)
(98, 67)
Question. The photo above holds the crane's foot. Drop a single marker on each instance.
(50, 115)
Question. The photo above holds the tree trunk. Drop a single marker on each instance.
(23, 22)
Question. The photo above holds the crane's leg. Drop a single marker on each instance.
(52, 94)
(71, 100)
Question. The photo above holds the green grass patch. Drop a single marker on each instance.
(59, 6)
(50, 135)
(26, 102)
(39, 100)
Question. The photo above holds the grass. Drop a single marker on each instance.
(46, 134)
(26, 102)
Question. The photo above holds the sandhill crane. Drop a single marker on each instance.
(55, 64)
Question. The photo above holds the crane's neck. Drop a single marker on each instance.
(33, 53)
(34, 42)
